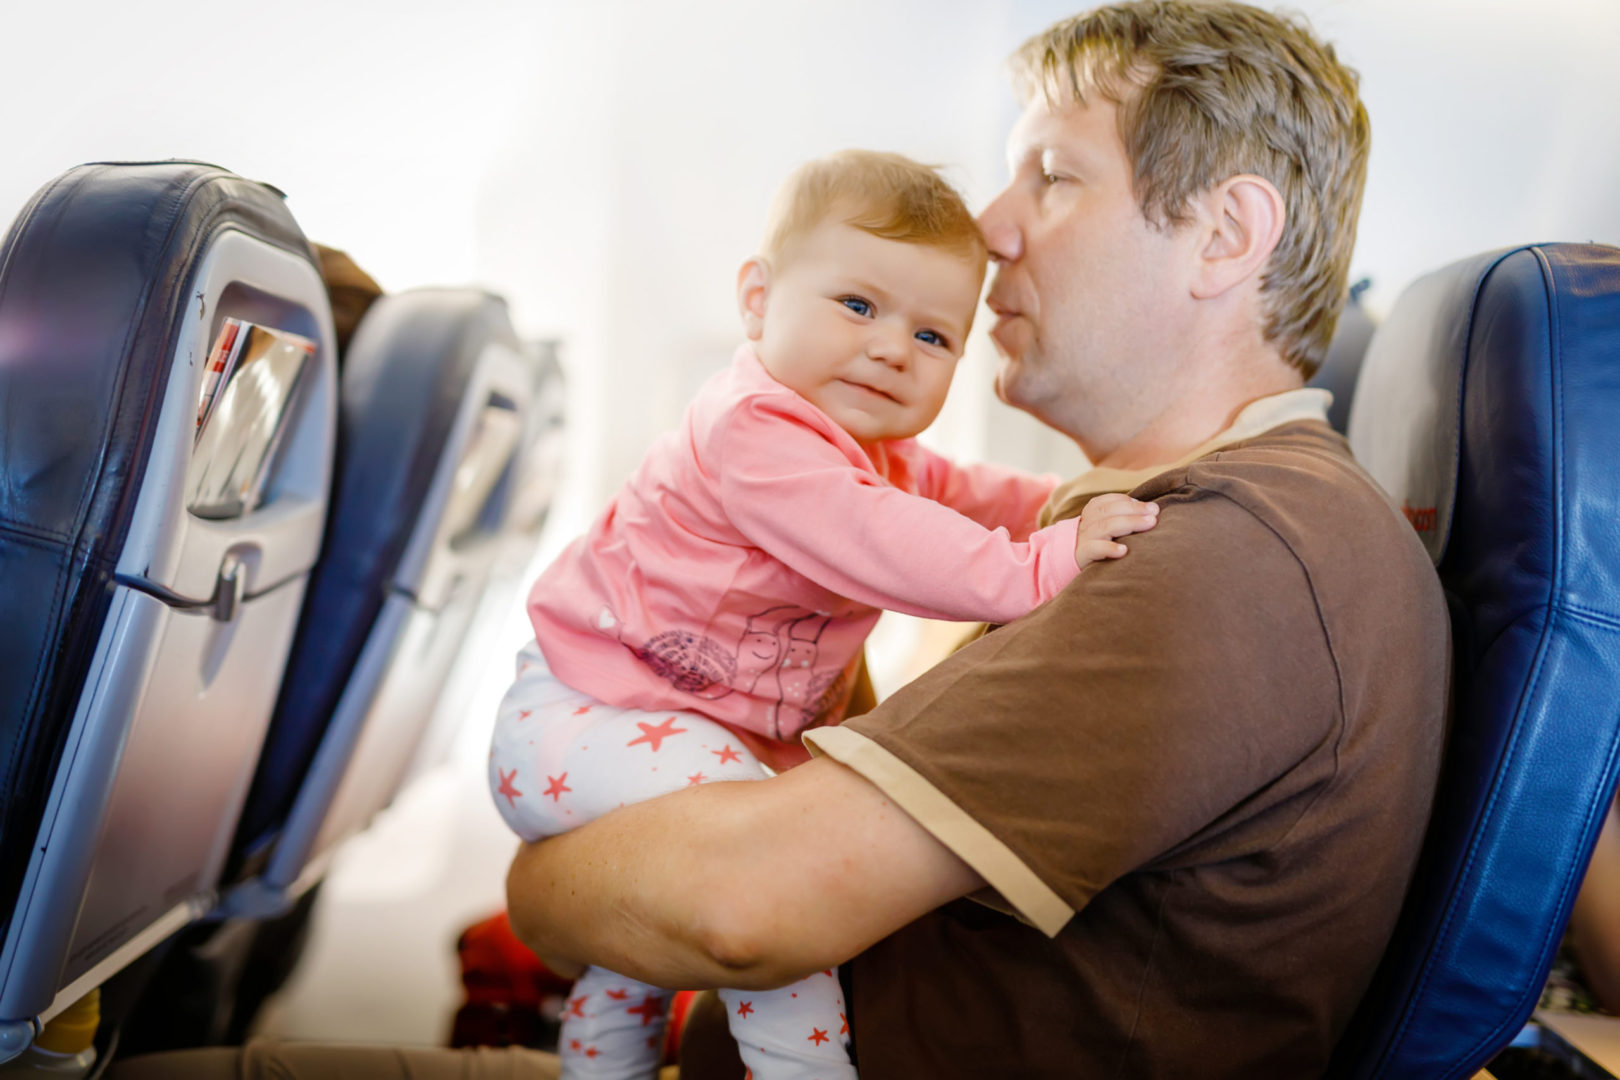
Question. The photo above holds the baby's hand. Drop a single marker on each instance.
(1105, 519)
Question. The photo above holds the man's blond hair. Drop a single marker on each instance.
(1208, 91)
(887, 195)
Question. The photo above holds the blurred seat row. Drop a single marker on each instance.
(239, 564)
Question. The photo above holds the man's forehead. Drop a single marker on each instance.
(1081, 128)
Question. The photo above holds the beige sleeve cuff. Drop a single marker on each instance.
(1032, 899)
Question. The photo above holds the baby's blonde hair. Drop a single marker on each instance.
(887, 195)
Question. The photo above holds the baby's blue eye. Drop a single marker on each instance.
(929, 337)
(856, 304)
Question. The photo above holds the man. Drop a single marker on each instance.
(1162, 826)
(1198, 779)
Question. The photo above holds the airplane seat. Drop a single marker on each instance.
(153, 563)
(534, 488)
(435, 393)
(1486, 408)
(1342, 365)
(434, 495)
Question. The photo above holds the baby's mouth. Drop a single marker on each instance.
(870, 390)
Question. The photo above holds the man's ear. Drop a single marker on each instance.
(1241, 220)
(753, 290)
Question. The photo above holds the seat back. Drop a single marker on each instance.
(1487, 406)
(435, 396)
(1342, 366)
(528, 502)
(146, 622)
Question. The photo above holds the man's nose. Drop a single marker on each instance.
(1001, 233)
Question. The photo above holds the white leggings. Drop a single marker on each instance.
(560, 758)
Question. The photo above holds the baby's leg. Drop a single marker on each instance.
(559, 759)
(799, 1032)
(613, 1028)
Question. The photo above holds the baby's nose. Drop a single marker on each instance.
(889, 346)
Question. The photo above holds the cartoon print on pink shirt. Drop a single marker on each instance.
(761, 645)
(774, 661)
(690, 661)
(794, 676)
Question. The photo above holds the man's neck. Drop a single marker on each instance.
(1195, 418)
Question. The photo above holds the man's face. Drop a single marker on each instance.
(868, 330)
(1086, 291)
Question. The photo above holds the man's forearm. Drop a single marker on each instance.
(625, 893)
(739, 884)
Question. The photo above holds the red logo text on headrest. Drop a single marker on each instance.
(1423, 518)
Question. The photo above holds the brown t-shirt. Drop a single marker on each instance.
(1200, 776)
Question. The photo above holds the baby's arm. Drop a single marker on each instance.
(998, 496)
(808, 506)
(992, 495)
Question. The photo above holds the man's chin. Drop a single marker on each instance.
(1006, 381)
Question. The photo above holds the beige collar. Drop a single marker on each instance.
(1256, 418)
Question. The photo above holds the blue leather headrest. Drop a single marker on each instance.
(1487, 406)
(94, 282)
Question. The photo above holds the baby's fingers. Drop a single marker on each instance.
(1113, 505)
(1090, 551)
(1104, 522)
(1121, 524)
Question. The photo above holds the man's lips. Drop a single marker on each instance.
(1003, 300)
(1002, 309)
(1004, 319)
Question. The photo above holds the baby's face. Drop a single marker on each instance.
(868, 330)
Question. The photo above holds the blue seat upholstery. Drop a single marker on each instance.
(427, 373)
(132, 705)
(1488, 407)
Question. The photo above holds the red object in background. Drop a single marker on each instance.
(678, 1008)
(515, 1000)
(512, 998)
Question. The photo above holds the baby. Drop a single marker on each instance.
(718, 607)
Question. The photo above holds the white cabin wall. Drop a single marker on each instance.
(606, 163)
(1492, 125)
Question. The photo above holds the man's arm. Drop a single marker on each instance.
(748, 885)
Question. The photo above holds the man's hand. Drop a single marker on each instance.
(1105, 519)
(751, 885)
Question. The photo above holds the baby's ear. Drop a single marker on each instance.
(753, 290)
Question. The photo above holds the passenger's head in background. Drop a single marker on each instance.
(863, 294)
(1240, 142)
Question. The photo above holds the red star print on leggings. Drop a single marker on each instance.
(655, 734)
(508, 788)
(648, 1010)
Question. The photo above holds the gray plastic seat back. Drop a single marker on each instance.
(435, 398)
(143, 644)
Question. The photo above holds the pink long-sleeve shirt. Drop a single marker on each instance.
(739, 570)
